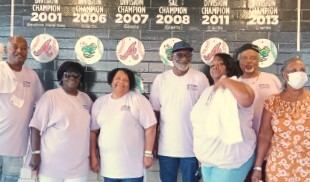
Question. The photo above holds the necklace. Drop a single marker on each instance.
(251, 80)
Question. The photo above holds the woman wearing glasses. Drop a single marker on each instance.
(60, 129)
(224, 141)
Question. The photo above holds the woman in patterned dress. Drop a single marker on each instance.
(285, 130)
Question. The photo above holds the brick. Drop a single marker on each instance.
(288, 4)
(287, 47)
(120, 34)
(288, 26)
(100, 87)
(243, 36)
(287, 15)
(151, 56)
(156, 67)
(305, 26)
(61, 32)
(95, 32)
(155, 35)
(103, 66)
(283, 36)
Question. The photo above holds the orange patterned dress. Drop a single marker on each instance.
(289, 155)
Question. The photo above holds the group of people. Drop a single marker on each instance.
(226, 131)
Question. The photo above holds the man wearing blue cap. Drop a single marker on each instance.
(173, 95)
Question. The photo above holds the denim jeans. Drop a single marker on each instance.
(123, 180)
(10, 168)
(215, 174)
(169, 168)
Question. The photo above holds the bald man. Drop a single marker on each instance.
(20, 90)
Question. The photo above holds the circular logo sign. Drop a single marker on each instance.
(44, 48)
(268, 52)
(89, 49)
(211, 47)
(139, 84)
(130, 51)
(165, 50)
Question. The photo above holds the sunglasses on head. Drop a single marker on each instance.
(72, 74)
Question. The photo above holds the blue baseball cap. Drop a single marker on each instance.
(181, 45)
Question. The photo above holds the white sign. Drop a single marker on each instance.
(89, 49)
(165, 50)
(211, 47)
(130, 51)
(268, 52)
(44, 48)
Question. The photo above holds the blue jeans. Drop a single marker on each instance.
(215, 174)
(10, 168)
(169, 168)
(123, 180)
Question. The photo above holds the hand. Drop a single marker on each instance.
(94, 164)
(256, 176)
(35, 162)
(220, 83)
(147, 161)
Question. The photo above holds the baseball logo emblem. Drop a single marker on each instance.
(89, 49)
(165, 50)
(44, 48)
(211, 47)
(130, 51)
(268, 52)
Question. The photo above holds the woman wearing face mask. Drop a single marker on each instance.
(285, 127)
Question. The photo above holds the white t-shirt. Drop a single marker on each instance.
(221, 154)
(264, 85)
(122, 124)
(16, 109)
(174, 96)
(64, 123)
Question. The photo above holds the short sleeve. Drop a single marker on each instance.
(154, 95)
(146, 113)
(94, 113)
(41, 117)
(269, 103)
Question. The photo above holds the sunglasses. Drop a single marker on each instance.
(74, 75)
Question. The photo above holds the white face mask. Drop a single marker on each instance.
(297, 79)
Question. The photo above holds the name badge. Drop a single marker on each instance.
(16, 101)
(192, 87)
(264, 86)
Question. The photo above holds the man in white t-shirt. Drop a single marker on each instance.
(264, 84)
(173, 95)
(20, 90)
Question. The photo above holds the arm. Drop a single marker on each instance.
(35, 139)
(149, 143)
(155, 148)
(241, 91)
(264, 139)
(94, 158)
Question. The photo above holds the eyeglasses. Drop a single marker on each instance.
(180, 55)
(74, 75)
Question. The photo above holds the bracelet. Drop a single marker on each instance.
(257, 168)
(35, 152)
(148, 152)
(148, 155)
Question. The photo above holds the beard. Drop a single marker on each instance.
(181, 67)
